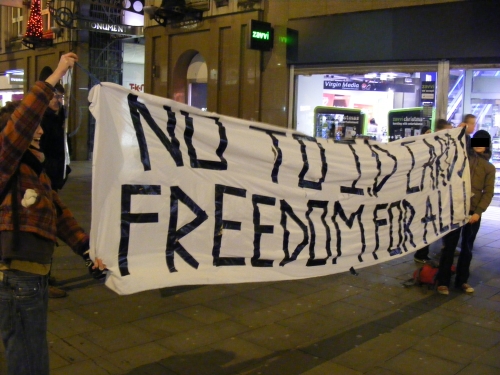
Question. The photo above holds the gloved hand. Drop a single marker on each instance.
(94, 271)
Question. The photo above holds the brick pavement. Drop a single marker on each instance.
(338, 324)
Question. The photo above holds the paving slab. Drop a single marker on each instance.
(472, 334)
(292, 362)
(188, 340)
(377, 351)
(414, 362)
(446, 348)
(490, 357)
(478, 368)
(331, 368)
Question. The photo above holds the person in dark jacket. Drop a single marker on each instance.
(482, 191)
(482, 175)
(31, 216)
(53, 140)
(53, 146)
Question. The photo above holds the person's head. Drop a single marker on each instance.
(469, 123)
(425, 130)
(442, 124)
(483, 138)
(57, 100)
(5, 114)
(372, 121)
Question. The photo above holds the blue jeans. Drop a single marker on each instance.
(23, 322)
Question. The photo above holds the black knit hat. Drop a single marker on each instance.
(481, 139)
(482, 134)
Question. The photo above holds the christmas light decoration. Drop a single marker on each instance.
(34, 30)
(35, 25)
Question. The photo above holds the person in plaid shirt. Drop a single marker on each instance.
(31, 217)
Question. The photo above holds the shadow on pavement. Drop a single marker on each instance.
(290, 362)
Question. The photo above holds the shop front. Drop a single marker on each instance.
(399, 73)
(11, 86)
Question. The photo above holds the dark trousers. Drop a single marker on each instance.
(23, 322)
(450, 242)
(469, 232)
(423, 253)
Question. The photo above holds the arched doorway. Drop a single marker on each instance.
(197, 82)
(190, 79)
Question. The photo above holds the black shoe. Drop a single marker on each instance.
(422, 260)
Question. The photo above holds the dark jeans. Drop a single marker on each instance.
(469, 232)
(450, 242)
(23, 322)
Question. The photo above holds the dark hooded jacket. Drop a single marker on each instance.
(52, 144)
(482, 175)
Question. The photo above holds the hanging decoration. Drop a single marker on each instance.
(34, 30)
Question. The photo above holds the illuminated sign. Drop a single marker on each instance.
(110, 28)
(261, 36)
(16, 79)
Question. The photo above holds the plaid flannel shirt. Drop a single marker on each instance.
(48, 216)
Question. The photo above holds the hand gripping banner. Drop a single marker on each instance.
(181, 196)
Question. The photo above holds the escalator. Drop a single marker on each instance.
(455, 97)
(479, 108)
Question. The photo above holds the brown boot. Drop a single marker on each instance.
(56, 292)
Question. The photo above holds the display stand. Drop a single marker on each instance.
(407, 122)
(338, 122)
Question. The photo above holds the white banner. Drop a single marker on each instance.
(181, 196)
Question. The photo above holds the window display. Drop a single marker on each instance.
(371, 95)
(338, 123)
(396, 104)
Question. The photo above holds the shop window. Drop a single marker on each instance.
(46, 19)
(381, 105)
(455, 96)
(482, 99)
(16, 30)
(133, 66)
(11, 86)
(475, 91)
